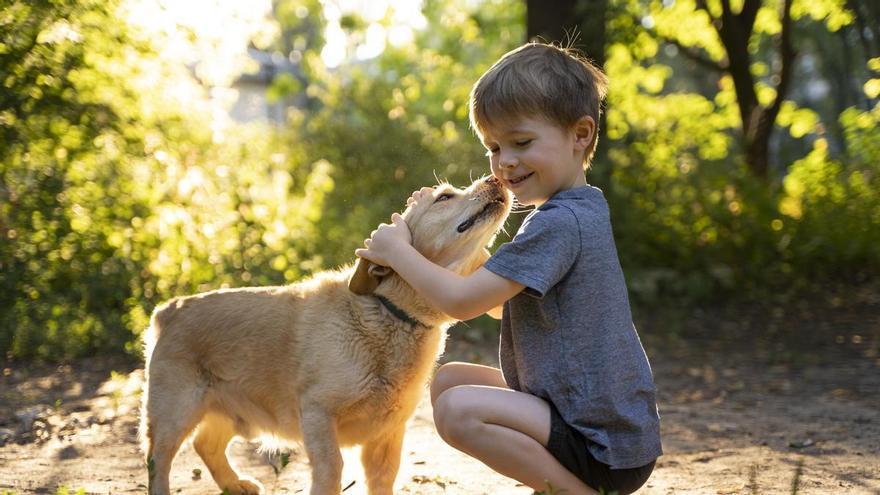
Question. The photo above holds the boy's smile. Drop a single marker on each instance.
(535, 158)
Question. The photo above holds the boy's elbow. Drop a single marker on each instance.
(460, 315)
(462, 310)
(496, 312)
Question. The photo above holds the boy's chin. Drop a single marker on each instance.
(528, 200)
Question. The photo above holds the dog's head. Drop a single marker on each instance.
(451, 228)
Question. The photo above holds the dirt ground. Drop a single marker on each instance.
(753, 400)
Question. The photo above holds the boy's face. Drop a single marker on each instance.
(535, 158)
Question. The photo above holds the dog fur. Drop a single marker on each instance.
(322, 362)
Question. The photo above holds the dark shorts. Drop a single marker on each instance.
(569, 447)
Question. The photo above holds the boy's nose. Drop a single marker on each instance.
(507, 161)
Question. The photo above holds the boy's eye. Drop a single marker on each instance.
(524, 142)
(491, 151)
(443, 197)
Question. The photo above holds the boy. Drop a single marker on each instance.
(572, 407)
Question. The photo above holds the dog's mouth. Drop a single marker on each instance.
(493, 206)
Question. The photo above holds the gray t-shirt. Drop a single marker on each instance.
(568, 337)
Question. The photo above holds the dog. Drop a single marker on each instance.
(337, 360)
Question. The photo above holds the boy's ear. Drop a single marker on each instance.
(366, 277)
(584, 132)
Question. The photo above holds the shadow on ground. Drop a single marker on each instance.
(753, 399)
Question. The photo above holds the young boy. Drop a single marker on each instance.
(573, 405)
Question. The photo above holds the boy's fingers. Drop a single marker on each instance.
(365, 253)
(417, 195)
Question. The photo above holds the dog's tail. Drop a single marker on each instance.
(162, 316)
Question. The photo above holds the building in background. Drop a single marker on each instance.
(253, 102)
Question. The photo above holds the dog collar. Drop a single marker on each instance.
(399, 313)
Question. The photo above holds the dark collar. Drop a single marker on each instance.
(399, 313)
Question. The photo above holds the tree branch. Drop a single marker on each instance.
(749, 13)
(787, 55)
(687, 51)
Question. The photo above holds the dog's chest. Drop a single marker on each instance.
(383, 406)
(390, 388)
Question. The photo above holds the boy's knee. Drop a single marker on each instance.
(443, 380)
(454, 419)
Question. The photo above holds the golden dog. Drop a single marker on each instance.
(339, 359)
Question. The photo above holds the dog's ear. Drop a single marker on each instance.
(366, 277)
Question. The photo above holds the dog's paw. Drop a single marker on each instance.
(244, 486)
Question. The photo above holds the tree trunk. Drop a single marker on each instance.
(734, 30)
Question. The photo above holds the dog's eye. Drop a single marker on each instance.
(444, 197)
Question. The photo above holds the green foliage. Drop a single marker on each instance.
(61, 138)
(395, 124)
(691, 222)
(832, 207)
(118, 190)
(113, 199)
(63, 490)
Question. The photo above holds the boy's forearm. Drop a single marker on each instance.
(445, 289)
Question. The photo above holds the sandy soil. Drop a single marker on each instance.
(736, 419)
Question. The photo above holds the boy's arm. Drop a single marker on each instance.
(461, 297)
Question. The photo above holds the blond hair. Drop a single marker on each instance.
(557, 83)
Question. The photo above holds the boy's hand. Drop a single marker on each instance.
(417, 195)
(385, 241)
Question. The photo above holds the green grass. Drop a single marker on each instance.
(62, 490)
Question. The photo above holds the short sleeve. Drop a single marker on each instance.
(542, 252)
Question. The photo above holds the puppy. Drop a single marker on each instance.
(340, 359)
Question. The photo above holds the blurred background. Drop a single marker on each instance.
(153, 148)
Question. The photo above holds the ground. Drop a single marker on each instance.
(754, 399)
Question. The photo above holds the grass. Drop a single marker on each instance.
(62, 490)
(752, 485)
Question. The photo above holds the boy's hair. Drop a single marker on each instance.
(558, 83)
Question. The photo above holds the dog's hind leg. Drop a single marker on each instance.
(212, 437)
(174, 406)
(381, 460)
(322, 447)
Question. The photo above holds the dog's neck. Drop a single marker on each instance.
(402, 295)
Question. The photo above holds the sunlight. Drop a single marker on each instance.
(207, 39)
(389, 22)
(211, 35)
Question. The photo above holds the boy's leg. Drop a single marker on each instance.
(456, 373)
(506, 430)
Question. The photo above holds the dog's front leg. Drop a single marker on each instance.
(322, 447)
(381, 460)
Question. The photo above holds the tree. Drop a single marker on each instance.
(735, 30)
(742, 34)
